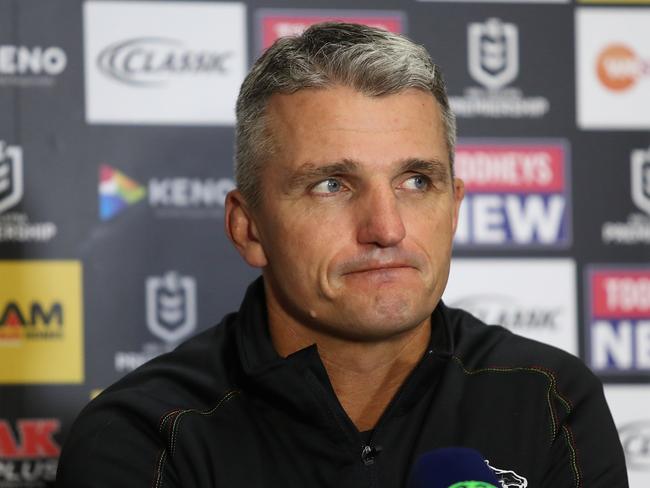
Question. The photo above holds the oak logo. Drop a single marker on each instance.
(37, 320)
(28, 455)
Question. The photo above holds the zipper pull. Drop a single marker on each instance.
(369, 454)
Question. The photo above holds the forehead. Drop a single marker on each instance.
(336, 123)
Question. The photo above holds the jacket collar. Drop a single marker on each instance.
(285, 376)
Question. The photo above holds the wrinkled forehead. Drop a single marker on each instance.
(341, 123)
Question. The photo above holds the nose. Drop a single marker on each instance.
(380, 221)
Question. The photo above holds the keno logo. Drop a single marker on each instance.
(635, 438)
(516, 194)
(155, 61)
(28, 457)
(619, 68)
(11, 176)
(619, 324)
(493, 52)
(171, 306)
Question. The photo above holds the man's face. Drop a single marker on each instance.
(358, 211)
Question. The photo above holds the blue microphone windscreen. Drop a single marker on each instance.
(452, 467)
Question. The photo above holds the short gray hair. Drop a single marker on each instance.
(371, 60)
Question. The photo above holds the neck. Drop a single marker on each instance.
(364, 375)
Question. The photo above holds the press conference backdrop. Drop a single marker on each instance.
(116, 150)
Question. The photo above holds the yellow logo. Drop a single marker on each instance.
(41, 322)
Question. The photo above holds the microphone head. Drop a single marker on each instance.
(452, 467)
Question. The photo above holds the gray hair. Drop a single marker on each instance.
(371, 60)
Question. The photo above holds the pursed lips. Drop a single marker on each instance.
(380, 267)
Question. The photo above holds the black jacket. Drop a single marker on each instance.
(224, 410)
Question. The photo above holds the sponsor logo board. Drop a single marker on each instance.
(29, 452)
(534, 298)
(31, 65)
(499, 1)
(493, 57)
(612, 68)
(630, 407)
(636, 230)
(171, 317)
(163, 62)
(41, 322)
(15, 225)
(618, 319)
(275, 23)
(516, 193)
(183, 197)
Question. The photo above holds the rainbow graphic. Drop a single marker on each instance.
(116, 192)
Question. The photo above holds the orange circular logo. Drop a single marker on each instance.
(618, 67)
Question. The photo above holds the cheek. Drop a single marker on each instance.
(304, 243)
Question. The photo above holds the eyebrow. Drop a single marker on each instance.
(310, 172)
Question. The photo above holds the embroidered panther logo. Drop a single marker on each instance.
(508, 479)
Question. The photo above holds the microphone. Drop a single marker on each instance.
(452, 467)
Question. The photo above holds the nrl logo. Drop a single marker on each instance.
(493, 55)
(508, 479)
(640, 174)
(171, 306)
(11, 176)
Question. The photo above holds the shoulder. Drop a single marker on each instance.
(478, 346)
(129, 418)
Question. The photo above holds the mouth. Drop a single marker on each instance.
(384, 267)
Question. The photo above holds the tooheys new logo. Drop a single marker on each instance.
(274, 24)
(155, 61)
(29, 453)
(30, 65)
(493, 61)
(619, 320)
(635, 438)
(171, 316)
(637, 228)
(516, 194)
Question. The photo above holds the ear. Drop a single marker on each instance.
(459, 194)
(242, 230)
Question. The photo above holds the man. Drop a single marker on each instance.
(342, 366)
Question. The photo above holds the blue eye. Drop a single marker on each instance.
(329, 185)
(417, 182)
